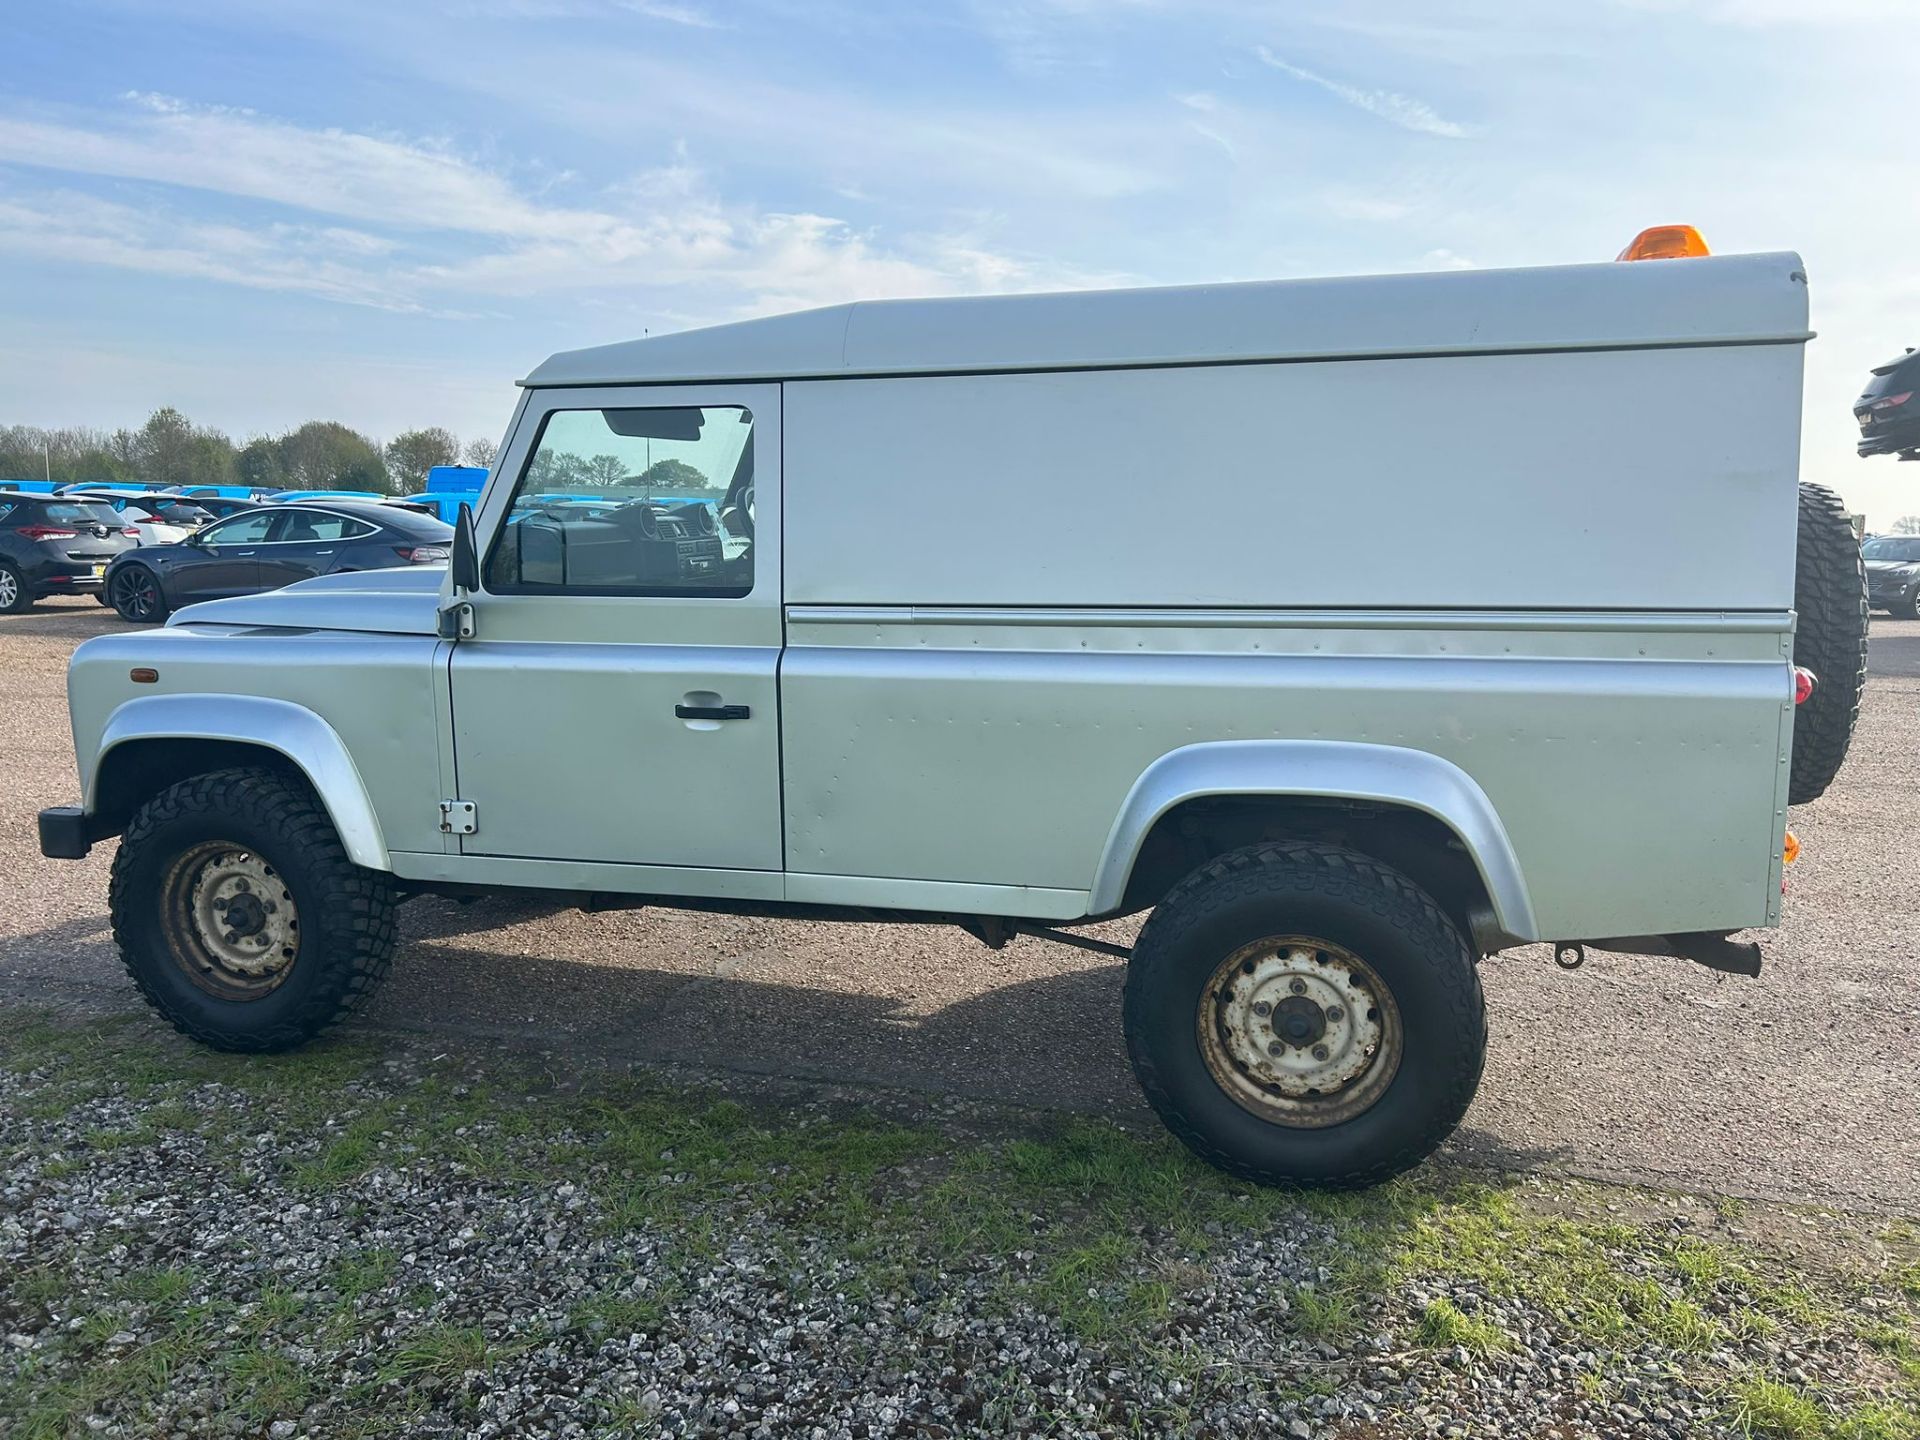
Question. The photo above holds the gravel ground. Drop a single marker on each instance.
(1796, 1086)
(383, 1238)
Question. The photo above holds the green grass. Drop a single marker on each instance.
(1442, 1323)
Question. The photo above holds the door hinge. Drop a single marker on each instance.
(458, 817)
(456, 622)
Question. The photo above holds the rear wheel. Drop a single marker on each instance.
(134, 591)
(239, 915)
(14, 595)
(1830, 595)
(1302, 1014)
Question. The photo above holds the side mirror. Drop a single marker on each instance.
(465, 563)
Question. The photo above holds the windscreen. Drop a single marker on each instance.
(1892, 547)
(72, 512)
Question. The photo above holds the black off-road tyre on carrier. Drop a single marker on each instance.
(1830, 594)
(1300, 1014)
(239, 915)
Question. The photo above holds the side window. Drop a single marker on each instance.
(655, 501)
(248, 529)
(321, 525)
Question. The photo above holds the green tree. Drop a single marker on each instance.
(673, 477)
(258, 464)
(603, 470)
(412, 453)
(171, 450)
(326, 455)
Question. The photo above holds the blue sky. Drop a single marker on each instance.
(384, 213)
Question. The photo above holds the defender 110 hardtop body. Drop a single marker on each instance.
(1318, 614)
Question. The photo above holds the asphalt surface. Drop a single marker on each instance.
(1800, 1085)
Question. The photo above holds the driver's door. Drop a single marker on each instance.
(225, 558)
(617, 700)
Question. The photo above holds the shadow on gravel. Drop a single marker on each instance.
(1053, 1043)
(1891, 653)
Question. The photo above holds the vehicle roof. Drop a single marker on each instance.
(52, 499)
(1710, 300)
(377, 512)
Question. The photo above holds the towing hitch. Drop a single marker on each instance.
(1711, 948)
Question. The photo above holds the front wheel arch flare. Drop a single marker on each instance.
(151, 742)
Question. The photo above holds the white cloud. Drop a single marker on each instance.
(659, 231)
(672, 14)
(1405, 111)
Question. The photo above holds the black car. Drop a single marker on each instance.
(56, 545)
(271, 546)
(1889, 408)
(1893, 574)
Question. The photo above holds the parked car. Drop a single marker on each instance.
(1893, 574)
(1343, 723)
(221, 506)
(270, 546)
(1888, 410)
(52, 545)
(155, 519)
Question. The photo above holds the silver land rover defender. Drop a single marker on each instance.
(1352, 629)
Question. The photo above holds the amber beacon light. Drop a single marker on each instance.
(1665, 242)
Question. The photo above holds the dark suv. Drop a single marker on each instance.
(1893, 574)
(1888, 409)
(55, 545)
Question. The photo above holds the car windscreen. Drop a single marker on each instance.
(69, 512)
(1892, 547)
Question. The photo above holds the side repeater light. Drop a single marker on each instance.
(1790, 851)
(1665, 242)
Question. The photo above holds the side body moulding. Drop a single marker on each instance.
(1388, 774)
(292, 730)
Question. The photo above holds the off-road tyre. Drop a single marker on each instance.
(346, 925)
(1830, 594)
(1348, 899)
(14, 597)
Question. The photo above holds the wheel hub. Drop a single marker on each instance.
(242, 929)
(1299, 1030)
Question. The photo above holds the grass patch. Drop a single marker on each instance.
(1444, 1324)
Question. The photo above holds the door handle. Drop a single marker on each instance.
(711, 712)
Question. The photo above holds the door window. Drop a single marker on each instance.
(641, 501)
(312, 525)
(249, 529)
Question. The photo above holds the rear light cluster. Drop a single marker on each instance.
(1892, 402)
(46, 532)
(130, 532)
(1803, 683)
(422, 554)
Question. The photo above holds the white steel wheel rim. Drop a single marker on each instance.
(232, 925)
(1299, 1031)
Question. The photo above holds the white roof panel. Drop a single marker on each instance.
(1729, 299)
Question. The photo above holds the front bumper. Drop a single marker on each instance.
(66, 833)
(1892, 590)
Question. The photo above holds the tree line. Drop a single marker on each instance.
(169, 449)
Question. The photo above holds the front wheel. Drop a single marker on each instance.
(1907, 609)
(134, 592)
(1302, 1014)
(239, 915)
